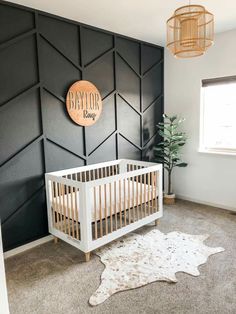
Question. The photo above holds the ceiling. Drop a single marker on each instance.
(143, 20)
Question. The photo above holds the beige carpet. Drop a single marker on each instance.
(53, 279)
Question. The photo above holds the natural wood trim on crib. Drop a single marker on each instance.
(87, 256)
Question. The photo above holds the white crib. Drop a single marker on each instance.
(92, 205)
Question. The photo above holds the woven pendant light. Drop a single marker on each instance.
(190, 31)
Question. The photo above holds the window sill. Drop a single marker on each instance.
(217, 152)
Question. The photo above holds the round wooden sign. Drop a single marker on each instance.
(84, 103)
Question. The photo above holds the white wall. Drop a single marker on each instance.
(209, 179)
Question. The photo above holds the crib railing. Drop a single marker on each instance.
(94, 204)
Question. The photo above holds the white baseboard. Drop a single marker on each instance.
(27, 246)
(186, 198)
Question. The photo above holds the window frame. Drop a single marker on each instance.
(202, 146)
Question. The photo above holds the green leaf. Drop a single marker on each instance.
(165, 116)
(163, 123)
(172, 119)
(182, 164)
(161, 133)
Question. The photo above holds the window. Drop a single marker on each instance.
(218, 115)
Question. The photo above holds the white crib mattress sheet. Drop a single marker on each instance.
(106, 206)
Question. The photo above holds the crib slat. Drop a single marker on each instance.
(60, 206)
(76, 213)
(152, 192)
(124, 183)
(145, 193)
(68, 209)
(102, 176)
(72, 211)
(57, 206)
(53, 205)
(111, 213)
(110, 195)
(95, 207)
(89, 175)
(155, 188)
(105, 201)
(95, 213)
(64, 207)
(137, 207)
(100, 209)
(128, 195)
(120, 204)
(148, 193)
(115, 203)
(141, 198)
(133, 195)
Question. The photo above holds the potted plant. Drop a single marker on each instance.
(167, 151)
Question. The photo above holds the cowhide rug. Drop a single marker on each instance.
(137, 260)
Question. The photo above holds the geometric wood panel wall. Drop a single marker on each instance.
(40, 57)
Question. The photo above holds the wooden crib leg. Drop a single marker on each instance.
(156, 222)
(87, 256)
(55, 240)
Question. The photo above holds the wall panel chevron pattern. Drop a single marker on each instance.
(40, 57)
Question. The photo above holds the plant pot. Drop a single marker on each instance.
(169, 199)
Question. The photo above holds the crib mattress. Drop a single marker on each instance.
(105, 206)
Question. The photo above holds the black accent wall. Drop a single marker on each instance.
(40, 57)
